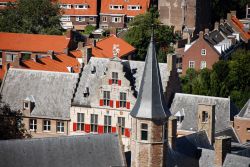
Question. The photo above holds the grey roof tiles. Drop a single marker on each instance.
(51, 91)
(245, 111)
(71, 151)
(187, 103)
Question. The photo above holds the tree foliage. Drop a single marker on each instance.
(220, 8)
(11, 126)
(139, 34)
(31, 16)
(227, 78)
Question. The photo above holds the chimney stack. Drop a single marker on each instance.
(80, 45)
(201, 34)
(222, 147)
(216, 25)
(233, 13)
(221, 21)
(206, 31)
(229, 16)
(172, 131)
(171, 61)
(17, 62)
(206, 120)
(94, 43)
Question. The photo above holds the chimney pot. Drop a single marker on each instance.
(216, 26)
(222, 147)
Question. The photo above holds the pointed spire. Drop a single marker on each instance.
(150, 102)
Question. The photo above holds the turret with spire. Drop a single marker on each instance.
(149, 116)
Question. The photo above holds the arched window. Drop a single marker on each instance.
(204, 116)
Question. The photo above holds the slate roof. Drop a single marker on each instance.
(233, 160)
(226, 29)
(78, 151)
(52, 91)
(214, 37)
(228, 132)
(150, 103)
(133, 72)
(224, 110)
(245, 111)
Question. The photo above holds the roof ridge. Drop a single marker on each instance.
(43, 71)
(186, 94)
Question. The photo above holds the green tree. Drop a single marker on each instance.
(139, 34)
(31, 16)
(89, 29)
(11, 126)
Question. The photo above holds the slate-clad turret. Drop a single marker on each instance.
(150, 102)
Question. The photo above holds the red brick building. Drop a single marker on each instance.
(116, 14)
(199, 54)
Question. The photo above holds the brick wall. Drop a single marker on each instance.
(109, 22)
(241, 126)
(194, 54)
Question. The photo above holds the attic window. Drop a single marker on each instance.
(144, 131)
(203, 52)
(81, 6)
(25, 105)
(86, 92)
(134, 7)
(116, 7)
(93, 70)
(204, 116)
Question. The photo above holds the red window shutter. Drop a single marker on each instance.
(128, 105)
(113, 129)
(87, 128)
(111, 103)
(110, 81)
(101, 102)
(74, 126)
(119, 82)
(127, 132)
(100, 129)
(117, 104)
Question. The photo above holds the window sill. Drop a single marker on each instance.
(60, 132)
(46, 131)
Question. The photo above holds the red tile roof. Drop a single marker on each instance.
(69, 62)
(104, 48)
(90, 11)
(76, 53)
(33, 42)
(105, 7)
(240, 27)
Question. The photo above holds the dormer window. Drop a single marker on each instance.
(180, 116)
(134, 7)
(26, 105)
(65, 6)
(204, 117)
(81, 6)
(114, 77)
(93, 69)
(144, 131)
(116, 7)
(86, 92)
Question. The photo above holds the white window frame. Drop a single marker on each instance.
(191, 64)
(32, 124)
(115, 7)
(106, 98)
(121, 122)
(80, 18)
(94, 123)
(203, 52)
(65, 6)
(78, 6)
(203, 64)
(107, 124)
(26, 105)
(3, 4)
(116, 19)
(123, 99)
(134, 7)
(46, 125)
(10, 55)
(80, 121)
(65, 18)
(144, 130)
(114, 77)
(60, 127)
(91, 19)
(104, 20)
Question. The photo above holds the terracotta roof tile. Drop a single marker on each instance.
(240, 26)
(105, 7)
(33, 42)
(104, 48)
(69, 62)
(76, 53)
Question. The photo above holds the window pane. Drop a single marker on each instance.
(144, 135)
(144, 126)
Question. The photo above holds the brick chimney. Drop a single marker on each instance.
(221, 21)
(172, 131)
(233, 13)
(206, 120)
(206, 31)
(201, 34)
(222, 147)
(17, 62)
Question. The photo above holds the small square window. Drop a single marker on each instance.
(91, 19)
(46, 125)
(26, 105)
(203, 52)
